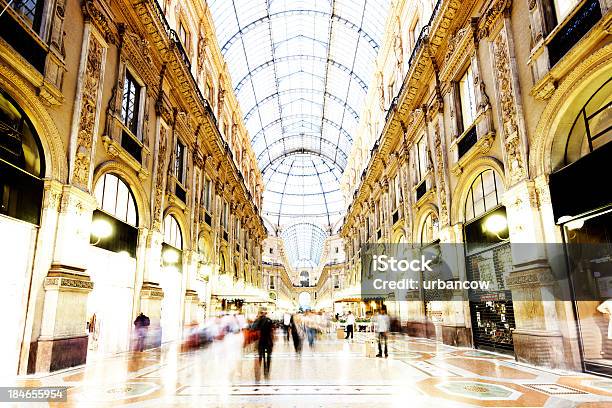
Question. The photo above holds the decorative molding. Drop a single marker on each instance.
(490, 17)
(508, 106)
(86, 109)
(61, 282)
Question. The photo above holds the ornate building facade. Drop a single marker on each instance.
(490, 108)
(127, 179)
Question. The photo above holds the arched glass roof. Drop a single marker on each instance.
(301, 70)
(304, 244)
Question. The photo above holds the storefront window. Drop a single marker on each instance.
(22, 164)
(117, 209)
(489, 258)
(588, 242)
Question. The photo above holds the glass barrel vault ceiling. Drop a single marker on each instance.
(300, 70)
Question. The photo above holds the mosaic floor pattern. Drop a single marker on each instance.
(334, 373)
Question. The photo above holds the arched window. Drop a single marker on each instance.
(591, 128)
(430, 229)
(485, 194)
(115, 198)
(22, 164)
(172, 232)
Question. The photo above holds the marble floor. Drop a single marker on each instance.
(335, 373)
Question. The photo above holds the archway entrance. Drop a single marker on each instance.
(304, 300)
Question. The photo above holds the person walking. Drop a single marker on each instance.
(286, 325)
(265, 326)
(350, 325)
(296, 333)
(382, 328)
(141, 324)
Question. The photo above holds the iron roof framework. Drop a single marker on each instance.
(301, 70)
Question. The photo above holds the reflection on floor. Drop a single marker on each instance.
(418, 373)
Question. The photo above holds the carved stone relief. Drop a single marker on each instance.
(90, 90)
(508, 106)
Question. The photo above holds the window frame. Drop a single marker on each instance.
(422, 159)
(472, 109)
(101, 183)
(136, 131)
(180, 149)
(469, 197)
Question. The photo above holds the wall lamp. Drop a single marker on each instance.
(101, 229)
(496, 224)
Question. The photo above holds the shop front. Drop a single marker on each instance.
(582, 206)
(489, 259)
(112, 267)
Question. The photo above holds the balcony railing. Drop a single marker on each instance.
(22, 38)
(575, 28)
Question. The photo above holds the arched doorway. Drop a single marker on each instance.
(112, 267)
(489, 258)
(171, 279)
(22, 167)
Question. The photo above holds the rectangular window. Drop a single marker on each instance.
(563, 8)
(467, 99)
(398, 191)
(31, 10)
(183, 35)
(130, 106)
(421, 158)
(415, 32)
(225, 217)
(207, 193)
(179, 162)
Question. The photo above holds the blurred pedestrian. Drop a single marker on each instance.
(296, 333)
(264, 325)
(286, 325)
(350, 325)
(382, 328)
(141, 324)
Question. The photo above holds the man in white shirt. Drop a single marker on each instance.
(382, 327)
(350, 325)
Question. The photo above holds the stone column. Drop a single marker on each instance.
(151, 293)
(191, 301)
(537, 338)
(63, 334)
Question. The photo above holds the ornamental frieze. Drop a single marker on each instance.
(63, 282)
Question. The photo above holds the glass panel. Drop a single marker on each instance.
(130, 104)
(468, 100)
(115, 198)
(563, 8)
(484, 194)
(301, 70)
(110, 193)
